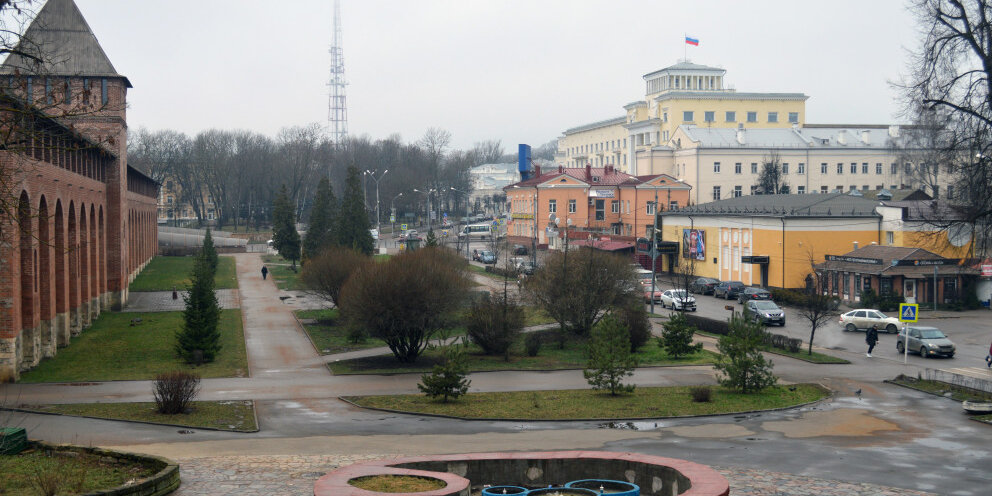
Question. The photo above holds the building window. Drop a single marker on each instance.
(103, 91)
(835, 276)
(754, 189)
(737, 168)
(170, 199)
(846, 285)
(752, 117)
(600, 209)
(794, 117)
(571, 206)
(615, 206)
(716, 167)
(67, 96)
(785, 168)
(673, 205)
(754, 167)
(864, 168)
(731, 116)
(823, 168)
(48, 91)
(687, 116)
(801, 168)
(950, 289)
(716, 193)
(738, 191)
(894, 169)
(709, 116)
(840, 168)
(878, 168)
(950, 192)
(772, 116)
(854, 167)
(885, 286)
(801, 190)
(86, 91)
(909, 168)
(824, 190)
(852, 187)
(664, 117)
(890, 238)
(552, 206)
(650, 208)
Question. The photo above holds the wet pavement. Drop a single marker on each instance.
(161, 301)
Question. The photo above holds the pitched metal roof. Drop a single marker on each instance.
(813, 205)
(887, 254)
(593, 125)
(839, 137)
(60, 37)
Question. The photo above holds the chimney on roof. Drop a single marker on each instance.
(865, 137)
(537, 170)
(561, 169)
(842, 137)
(588, 171)
(893, 131)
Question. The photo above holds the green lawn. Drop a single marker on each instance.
(281, 271)
(112, 350)
(238, 416)
(71, 474)
(644, 402)
(491, 275)
(549, 358)
(165, 273)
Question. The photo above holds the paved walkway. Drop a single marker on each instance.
(161, 301)
(293, 475)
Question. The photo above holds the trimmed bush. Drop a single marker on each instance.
(706, 324)
(532, 344)
(700, 394)
(174, 391)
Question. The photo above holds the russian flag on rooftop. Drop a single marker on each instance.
(691, 41)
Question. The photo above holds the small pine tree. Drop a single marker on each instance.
(322, 219)
(610, 359)
(353, 220)
(431, 238)
(208, 252)
(285, 239)
(447, 380)
(199, 338)
(741, 364)
(676, 338)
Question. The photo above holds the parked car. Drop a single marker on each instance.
(764, 311)
(375, 234)
(487, 257)
(753, 294)
(527, 267)
(863, 318)
(678, 299)
(519, 250)
(728, 289)
(648, 295)
(476, 256)
(703, 285)
(928, 341)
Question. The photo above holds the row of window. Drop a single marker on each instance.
(616, 206)
(731, 116)
(598, 147)
(801, 189)
(53, 85)
(801, 168)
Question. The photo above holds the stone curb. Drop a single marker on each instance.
(907, 386)
(775, 352)
(388, 374)
(58, 414)
(348, 399)
(164, 482)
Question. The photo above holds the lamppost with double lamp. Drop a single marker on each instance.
(428, 195)
(392, 212)
(467, 238)
(371, 173)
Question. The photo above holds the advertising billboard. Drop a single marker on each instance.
(694, 244)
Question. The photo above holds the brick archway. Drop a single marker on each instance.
(29, 286)
(84, 267)
(61, 298)
(72, 249)
(45, 280)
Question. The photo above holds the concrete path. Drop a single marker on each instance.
(161, 301)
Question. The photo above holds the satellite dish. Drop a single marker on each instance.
(959, 235)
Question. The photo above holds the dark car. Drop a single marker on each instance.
(728, 289)
(519, 250)
(766, 312)
(703, 285)
(527, 267)
(487, 257)
(753, 294)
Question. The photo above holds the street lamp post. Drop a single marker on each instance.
(467, 237)
(428, 195)
(392, 212)
(371, 174)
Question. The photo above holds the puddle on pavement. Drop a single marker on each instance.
(711, 431)
(629, 426)
(845, 422)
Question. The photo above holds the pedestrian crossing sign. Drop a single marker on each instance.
(909, 312)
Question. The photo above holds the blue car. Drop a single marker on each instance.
(487, 257)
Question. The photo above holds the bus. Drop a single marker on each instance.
(481, 231)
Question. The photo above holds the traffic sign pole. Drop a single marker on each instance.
(908, 312)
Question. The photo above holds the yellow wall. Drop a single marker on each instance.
(676, 108)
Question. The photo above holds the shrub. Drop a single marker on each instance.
(794, 344)
(870, 299)
(707, 324)
(446, 380)
(174, 391)
(635, 318)
(494, 323)
(532, 344)
(676, 338)
(325, 274)
(788, 297)
(741, 364)
(700, 394)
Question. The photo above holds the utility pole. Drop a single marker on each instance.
(533, 251)
(654, 249)
(372, 175)
(337, 108)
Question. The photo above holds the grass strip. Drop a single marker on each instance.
(550, 357)
(491, 275)
(939, 388)
(165, 273)
(236, 416)
(578, 404)
(281, 271)
(817, 357)
(396, 483)
(112, 350)
(81, 474)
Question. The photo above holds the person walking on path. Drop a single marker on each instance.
(988, 358)
(265, 272)
(871, 338)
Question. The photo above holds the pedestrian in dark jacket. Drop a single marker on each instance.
(265, 272)
(871, 338)
(988, 358)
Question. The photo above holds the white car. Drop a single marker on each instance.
(678, 299)
(375, 234)
(864, 318)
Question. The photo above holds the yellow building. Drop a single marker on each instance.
(774, 240)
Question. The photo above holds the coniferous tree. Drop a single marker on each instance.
(610, 359)
(209, 252)
(431, 238)
(322, 220)
(353, 222)
(199, 338)
(285, 239)
(741, 364)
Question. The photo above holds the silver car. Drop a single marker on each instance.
(928, 341)
(678, 299)
(764, 311)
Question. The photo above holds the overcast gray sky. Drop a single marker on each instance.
(518, 71)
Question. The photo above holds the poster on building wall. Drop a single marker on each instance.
(694, 244)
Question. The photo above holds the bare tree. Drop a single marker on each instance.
(951, 75)
(487, 152)
(770, 180)
(815, 307)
